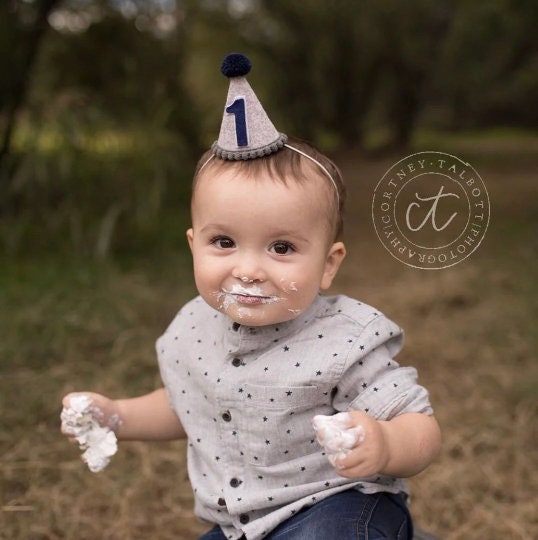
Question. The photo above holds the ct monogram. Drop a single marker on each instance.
(431, 210)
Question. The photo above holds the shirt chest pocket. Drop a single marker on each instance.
(276, 422)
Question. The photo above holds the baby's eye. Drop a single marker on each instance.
(281, 248)
(223, 242)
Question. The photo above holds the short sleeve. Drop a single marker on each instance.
(374, 382)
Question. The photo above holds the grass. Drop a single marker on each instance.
(70, 324)
(83, 188)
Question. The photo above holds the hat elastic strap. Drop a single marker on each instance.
(313, 160)
(324, 169)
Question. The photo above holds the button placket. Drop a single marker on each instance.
(229, 405)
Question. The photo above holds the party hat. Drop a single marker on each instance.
(246, 131)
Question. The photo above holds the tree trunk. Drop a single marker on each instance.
(23, 42)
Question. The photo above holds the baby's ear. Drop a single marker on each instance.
(335, 256)
(190, 236)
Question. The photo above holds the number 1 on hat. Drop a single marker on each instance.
(237, 108)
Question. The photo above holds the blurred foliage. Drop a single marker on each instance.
(105, 105)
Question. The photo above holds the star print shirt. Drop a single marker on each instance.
(246, 397)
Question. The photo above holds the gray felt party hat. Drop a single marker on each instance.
(246, 131)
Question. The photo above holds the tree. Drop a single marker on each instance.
(490, 64)
(332, 67)
(414, 35)
(23, 27)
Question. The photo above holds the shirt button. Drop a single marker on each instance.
(235, 482)
(221, 502)
(236, 362)
(226, 416)
(244, 519)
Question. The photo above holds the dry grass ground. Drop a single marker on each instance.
(471, 331)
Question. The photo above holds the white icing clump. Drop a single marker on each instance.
(99, 443)
(337, 434)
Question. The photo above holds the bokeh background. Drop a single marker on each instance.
(105, 106)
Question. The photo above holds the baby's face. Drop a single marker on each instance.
(262, 250)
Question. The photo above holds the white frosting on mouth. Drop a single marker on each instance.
(99, 443)
(254, 291)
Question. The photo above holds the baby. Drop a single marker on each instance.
(260, 358)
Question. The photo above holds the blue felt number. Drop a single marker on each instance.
(237, 108)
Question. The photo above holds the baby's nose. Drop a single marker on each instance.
(249, 269)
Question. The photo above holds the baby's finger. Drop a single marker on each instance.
(348, 461)
(338, 460)
(344, 440)
(66, 401)
(325, 433)
(68, 432)
(330, 428)
(68, 429)
(70, 438)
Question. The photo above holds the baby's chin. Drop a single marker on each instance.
(257, 316)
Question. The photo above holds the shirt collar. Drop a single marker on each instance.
(242, 338)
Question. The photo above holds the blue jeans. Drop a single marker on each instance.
(350, 515)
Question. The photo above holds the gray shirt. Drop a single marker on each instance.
(246, 397)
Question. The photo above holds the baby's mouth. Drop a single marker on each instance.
(254, 299)
(252, 295)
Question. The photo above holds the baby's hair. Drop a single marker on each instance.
(285, 163)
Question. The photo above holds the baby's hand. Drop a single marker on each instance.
(97, 407)
(90, 419)
(354, 441)
(337, 434)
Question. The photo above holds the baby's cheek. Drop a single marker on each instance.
(290, 296)
(288, 286)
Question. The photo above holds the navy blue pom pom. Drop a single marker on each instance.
(235, 65)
